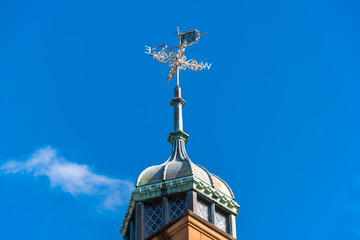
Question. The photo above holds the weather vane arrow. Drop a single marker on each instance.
(177, 60)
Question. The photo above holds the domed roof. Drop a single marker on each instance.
(179, 165)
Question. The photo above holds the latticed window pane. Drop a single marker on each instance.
(153, 218)
(176, 206)
(220, 220)
(202, 209)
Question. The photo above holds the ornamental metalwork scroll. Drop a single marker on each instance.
(176, 59)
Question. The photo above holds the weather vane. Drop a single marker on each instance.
(177, 61)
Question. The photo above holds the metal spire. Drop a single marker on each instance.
(177, 102)
(177, 61)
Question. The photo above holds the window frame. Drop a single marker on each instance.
(226, 215)
(146, 208)
(208, 204)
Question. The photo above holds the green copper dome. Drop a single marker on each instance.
(179, 165)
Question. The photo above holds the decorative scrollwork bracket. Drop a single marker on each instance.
(176, 60)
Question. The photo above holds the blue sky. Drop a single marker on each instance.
(84, 111)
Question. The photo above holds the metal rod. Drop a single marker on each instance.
(170, 48)
(177, 76)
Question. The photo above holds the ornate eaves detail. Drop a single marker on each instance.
(178, 185)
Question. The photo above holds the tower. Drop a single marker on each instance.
(179, 199)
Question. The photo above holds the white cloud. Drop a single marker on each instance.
(76, 179)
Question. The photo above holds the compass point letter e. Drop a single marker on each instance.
(148, 49)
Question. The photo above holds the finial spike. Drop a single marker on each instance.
(178, 61)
